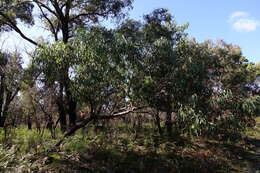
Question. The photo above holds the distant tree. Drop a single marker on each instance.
(29, 106)
(15, 113)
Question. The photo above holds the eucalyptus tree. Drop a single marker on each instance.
(153, 59)
(216, 73)
(61, 19)
(172, 74)
(100, 80)
(98, 73)
(11, 76)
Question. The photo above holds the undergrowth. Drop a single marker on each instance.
(119, 148)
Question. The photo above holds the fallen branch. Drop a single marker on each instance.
(91, 118)
(117, 115)
(74, 129)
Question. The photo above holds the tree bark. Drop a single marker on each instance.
(2, 119)
(61, 110)
(168, 122)
(71, 103)
(2, 91)
(158, 122)
(29, 123)
(72, 112)
(4, 115)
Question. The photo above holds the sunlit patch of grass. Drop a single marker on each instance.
(254, 132)
(27, 141)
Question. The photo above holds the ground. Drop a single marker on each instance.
(123, 150)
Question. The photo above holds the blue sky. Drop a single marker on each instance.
(234, 21)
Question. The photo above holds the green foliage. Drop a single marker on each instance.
(14, 10)
(11, 77)
(100, 71)
(52, 59)
(191, 122)
(251, 106)
(119, 149)
(25, 141)
(152, 58)
(18, 148)
(149, 63)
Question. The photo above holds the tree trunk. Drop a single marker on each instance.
(2, 120)
(2, 91)
(29, 123)
(61, 110)
(6, 97)
(67, 104)
(168, 122)
(62, 117)
(72, 112)
(158, 123)
(3, 115)
(72, 104)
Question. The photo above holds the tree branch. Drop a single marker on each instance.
(16, 28)
(46, 7)
(54, 31)
(91, 118)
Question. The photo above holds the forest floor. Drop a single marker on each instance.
(123, 149)
(252, 137)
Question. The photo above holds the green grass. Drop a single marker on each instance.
(255, 131)
(27, 141)
(121, 148)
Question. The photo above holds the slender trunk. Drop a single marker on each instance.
(29, 123)
(6, 97)
(168, 122)
(4, 111)
(158, 122)
(4, 115)
(2, 120)
(5, 105)
(2, 91)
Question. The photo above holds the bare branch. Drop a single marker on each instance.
(45, 7)
(53, 30)
(91, 118)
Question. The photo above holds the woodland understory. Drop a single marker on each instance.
(138, 97)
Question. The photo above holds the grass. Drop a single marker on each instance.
(255, 131)
(121, 148)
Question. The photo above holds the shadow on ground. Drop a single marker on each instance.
(112, 161)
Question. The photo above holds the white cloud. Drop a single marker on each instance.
(241, 21)
(246, 25)
(238, 14)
